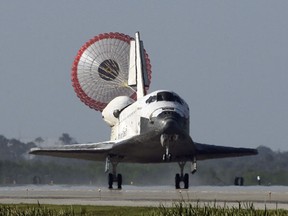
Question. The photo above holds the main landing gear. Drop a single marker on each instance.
(113, 177)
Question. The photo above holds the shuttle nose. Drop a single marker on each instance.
(171, 122)
(170, 126)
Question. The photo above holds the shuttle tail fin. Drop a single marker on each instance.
(137, 66)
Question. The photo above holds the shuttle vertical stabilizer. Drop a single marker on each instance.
(137, 68)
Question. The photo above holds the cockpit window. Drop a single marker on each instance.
(179, 100)
(151, 99)
(164, 96)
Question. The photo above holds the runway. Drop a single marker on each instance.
(272, 197)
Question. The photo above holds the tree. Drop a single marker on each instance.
(39, 140)
(66, 139)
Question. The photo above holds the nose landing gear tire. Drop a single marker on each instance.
(177, 181)
(184, 179)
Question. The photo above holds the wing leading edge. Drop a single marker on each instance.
(206, 151)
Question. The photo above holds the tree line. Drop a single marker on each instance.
(18, 167)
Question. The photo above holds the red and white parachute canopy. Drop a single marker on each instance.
(100, 70)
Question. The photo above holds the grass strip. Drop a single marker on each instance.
(178, 208)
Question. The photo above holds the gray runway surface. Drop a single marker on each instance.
(272, 197)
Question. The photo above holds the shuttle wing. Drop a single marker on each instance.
(205, 151)
(91, 151)
(129, 150)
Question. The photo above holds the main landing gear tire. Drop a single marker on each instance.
(111, 179)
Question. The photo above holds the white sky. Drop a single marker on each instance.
(227, 59)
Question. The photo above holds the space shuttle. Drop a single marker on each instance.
(146, 128)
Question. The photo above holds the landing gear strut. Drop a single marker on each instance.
(167, 156)
(113, 177)
(166, 140)
(184, 177)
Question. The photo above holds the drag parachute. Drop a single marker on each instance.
(100, 70)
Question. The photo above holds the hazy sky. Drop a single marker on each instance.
(227, 59)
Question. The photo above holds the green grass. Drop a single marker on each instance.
(180, 208)
(60, 210)
(188, 209)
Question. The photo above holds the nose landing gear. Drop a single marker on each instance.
(165, 140)
(167, 156)
(184, 177)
